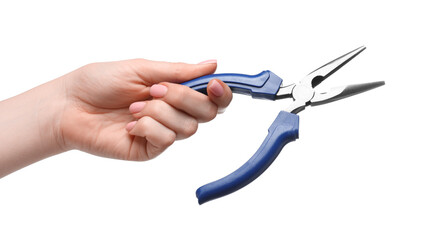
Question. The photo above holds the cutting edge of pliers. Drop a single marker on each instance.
(284, 129)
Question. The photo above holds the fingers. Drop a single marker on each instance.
(156, 72)
(175, 110)
(179, 108)
(187, 100)
(178, 121)
(157, 135)
(200, 106)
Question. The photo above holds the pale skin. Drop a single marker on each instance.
(131, 110)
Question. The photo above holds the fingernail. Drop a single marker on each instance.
(136, 107)
(216, 88)
(130, 126)
(208, 61)
(158, 90)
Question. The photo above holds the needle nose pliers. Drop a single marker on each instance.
(284, 129)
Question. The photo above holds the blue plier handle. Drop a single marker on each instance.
(263, 85)
(284, 129)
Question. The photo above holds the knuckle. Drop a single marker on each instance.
(210, 113)
(179, 71)
(144, 123)
(190, 127)
(154, 108)
(169, 139)
(141, 127)
(179, 96)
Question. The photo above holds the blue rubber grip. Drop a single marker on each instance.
(263, 85)
(282, 131)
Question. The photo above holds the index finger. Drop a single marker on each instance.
(155, 71)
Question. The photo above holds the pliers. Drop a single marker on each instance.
(284, 129)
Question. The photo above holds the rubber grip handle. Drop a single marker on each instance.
(283, 130)
(263, 85)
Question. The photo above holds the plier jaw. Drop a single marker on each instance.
(304, 93)
(284, 129)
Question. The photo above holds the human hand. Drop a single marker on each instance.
(135, 109)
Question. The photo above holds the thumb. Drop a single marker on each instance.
(156, 72)
(219, 93)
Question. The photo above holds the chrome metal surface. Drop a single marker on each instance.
(285, 91)
(338, 93)
(304, 94)
(319, 75)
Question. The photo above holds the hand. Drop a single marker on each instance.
(135, 109)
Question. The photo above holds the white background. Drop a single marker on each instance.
(362, 168)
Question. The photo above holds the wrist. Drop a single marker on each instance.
(31, 126)
(50, 108)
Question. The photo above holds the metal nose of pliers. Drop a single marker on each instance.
(304, 93)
